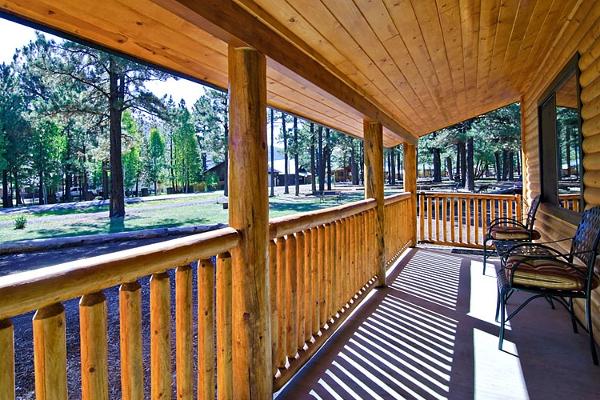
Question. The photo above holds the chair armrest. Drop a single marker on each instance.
(505, 221)
(518, 250)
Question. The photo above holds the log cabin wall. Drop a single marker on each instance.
(581, 35)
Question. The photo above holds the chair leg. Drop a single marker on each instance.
(549, 300)
(572, 311)
(502, 319)
(497, 306)
(484, 254)
(588, 313)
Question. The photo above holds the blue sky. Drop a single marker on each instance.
(14, 36)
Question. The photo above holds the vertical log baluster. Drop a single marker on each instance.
(291, 297)
(7, 361)
(476, 219)
(308, 280)
(460, 220)
(421, 217)
(322, 277)
(206, 330)
(50, 353)
(314, 266)
(437, 219)
(94, 359)
(452, 227)
(273, 271)
(224, 326)
(279, 357)
(444, 219)
(484, 218)
(300, 237)
(429, 219)
(160, 336)
(326, 272)
(183, 332)
(130, 314)
(468, 200)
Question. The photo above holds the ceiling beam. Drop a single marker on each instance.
(232, 23)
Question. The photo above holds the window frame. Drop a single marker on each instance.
(548, 144)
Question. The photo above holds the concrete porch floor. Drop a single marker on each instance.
(431, 335)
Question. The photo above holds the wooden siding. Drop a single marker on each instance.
(581, 35)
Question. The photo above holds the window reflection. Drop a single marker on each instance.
(568, 140)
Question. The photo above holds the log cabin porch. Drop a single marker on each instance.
(254, 295)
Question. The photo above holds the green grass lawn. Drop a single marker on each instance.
(146, 215)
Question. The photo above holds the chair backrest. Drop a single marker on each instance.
(535, 204)
(585, 243)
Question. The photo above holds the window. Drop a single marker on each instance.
(560, 142)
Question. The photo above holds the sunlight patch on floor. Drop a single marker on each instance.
(498, 374)
(484, 293)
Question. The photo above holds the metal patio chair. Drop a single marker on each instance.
(512, 230)
(546, 273)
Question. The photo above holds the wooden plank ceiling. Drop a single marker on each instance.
(423, 64)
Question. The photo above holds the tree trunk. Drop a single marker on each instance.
(17, 188)
(328, 153)
(104, 179)
(116, 97)
(498, 166)
(155, 188)
(505, 164)
(272, 173)
(225, 183)
(437, 165)
(41, 187)
(568, 151)
(449, 168)
(361, 163)
(353, 166)
(296, 172)
(321, 161)
(313, 171)
(470, 170)
(286, 189)
(393, 158)
(6, 198)
(463, 163)
(458, 163)
(511, 166)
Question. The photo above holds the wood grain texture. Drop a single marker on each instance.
(50, 353)
(7, 365)
(224, 328)
(130, 337)
(160, 336)
(93, 345)
(45, 286)
(206, 330)
(183, 332)
(373, 146)
(249, 213)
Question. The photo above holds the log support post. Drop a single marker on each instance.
(410, 185)
(373, 134)
(249, 214)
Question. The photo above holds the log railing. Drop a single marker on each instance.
(45, 290)
(397, 234)
(322, 264)
(570, 201)
(462, 219)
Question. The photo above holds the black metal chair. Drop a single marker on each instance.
(546, 273)
(512, 230)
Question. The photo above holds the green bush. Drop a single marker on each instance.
(20, 222)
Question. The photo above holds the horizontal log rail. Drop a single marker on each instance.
(462, 219)
(44, 291)
(321, 265)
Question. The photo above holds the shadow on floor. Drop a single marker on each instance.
(431, 335)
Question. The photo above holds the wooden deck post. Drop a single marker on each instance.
(373, 133)
(249, 213)
(410, 185)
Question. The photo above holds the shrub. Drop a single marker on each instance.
(20, 222)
